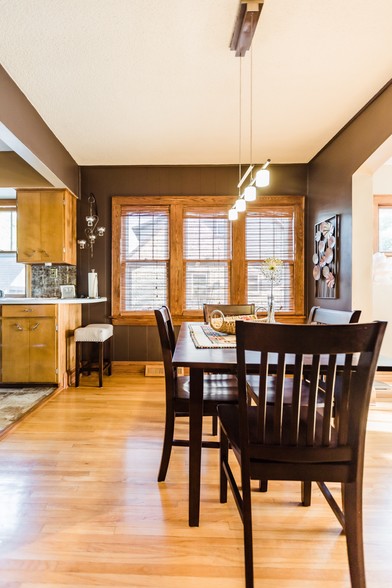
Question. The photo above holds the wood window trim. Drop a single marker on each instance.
(379, 201)
(176, 206)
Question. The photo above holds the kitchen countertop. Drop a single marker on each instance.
(52, 300)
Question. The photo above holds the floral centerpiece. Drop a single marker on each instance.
(271, 270)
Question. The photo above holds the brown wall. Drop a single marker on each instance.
(330, 185)
(141, 343)
(23, 121)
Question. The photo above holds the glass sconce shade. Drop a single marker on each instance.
(233, 214)
(262, 178)
(82, 243)
(250, 193)
(101, 231)
(240, 205)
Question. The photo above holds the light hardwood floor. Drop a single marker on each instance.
(80, 505)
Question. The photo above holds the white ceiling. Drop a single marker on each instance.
(154, 82)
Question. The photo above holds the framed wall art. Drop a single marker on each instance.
(325, 257)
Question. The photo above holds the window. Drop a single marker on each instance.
(144, 259)
(12, 274)
(382, 231)
(183, 251)
(270, 233)
(207, 256)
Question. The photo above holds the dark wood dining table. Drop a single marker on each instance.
(198, 361)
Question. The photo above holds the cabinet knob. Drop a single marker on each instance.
(27, 310)
(18, 327)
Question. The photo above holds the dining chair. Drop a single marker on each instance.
(321, 316)
(296, 441)
(227, 309)
(217, 389)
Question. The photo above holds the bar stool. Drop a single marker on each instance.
(93, 333)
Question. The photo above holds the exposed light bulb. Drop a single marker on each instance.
(240, 205)
(250, 193)
(233, 214)
(262, 178)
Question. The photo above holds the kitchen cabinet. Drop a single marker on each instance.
(37, 342)
(46, 226)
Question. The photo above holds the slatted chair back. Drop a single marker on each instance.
(227, 309)
(326, 316)
(168, 344)
(311, 434)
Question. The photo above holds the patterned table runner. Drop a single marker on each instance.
(204, 337)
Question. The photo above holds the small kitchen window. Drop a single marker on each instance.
(12, 273)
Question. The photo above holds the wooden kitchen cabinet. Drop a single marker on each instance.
(46, 222)
(37, 343)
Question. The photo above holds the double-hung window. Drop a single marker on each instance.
(12, 274)
(207, 256)
(182, 251)
(144, 258)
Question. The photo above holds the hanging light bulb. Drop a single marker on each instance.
(240, 205)
(250, 193)
(233, 214)
(262, 178)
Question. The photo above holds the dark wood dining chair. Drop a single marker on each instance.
(320, 316)
(227, 309)
(217, 389)
(296, 441)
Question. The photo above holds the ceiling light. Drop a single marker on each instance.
(233, 214)
(263, 176)
(250, 193)
(240, 205)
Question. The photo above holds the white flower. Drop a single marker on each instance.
(271, 269)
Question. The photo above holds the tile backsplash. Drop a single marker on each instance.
(46, 280)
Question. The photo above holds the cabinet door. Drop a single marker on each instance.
(15, 356)
(52, 220)
(29, 227)
(43, 349)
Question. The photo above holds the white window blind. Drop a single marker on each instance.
(144, 253)
(207, 255)
(12, 274)
(270, 233)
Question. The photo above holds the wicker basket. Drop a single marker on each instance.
(226, 324)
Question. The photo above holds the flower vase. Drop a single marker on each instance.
(270, 310)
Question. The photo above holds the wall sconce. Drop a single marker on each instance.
(92, 231)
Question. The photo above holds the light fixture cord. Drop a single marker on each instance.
(251, 101)
(240, 128)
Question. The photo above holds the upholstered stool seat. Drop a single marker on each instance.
(93, 333)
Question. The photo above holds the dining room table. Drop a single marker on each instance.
(210, 358)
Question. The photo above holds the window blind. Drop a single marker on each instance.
(144, 253)
(270, 233)
(207, 255)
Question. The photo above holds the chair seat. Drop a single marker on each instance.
(94, 333)
(283, 452)
(216, 388)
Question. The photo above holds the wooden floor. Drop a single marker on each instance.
(80, 505)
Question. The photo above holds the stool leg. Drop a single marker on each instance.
(110, 356)
(77, 363)
(100, 363)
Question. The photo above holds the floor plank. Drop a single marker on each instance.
(80, 505)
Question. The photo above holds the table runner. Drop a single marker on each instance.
(204, 337)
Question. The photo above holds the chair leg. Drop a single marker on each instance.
(263, 485)
(167, 445)
(100, 363)
(77, 363)
(223, 459)
(352, 508)
(247, 522)
(214, 425)
(306, 493)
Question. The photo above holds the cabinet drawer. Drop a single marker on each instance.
(27, 310)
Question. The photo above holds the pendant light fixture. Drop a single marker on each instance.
(244, 28)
